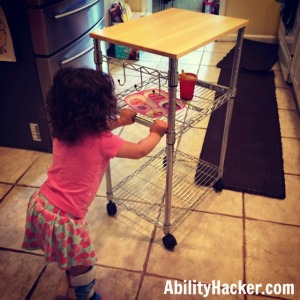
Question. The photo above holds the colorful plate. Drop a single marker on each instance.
(153, 103)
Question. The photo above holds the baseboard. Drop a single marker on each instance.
(272, 39)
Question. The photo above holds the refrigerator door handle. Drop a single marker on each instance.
(75, 11)
(68, 60)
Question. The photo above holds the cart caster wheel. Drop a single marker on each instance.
(111, 208)
(218, 186)
(169, 241)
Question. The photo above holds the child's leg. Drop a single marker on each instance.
(71, 290)
(83, 280)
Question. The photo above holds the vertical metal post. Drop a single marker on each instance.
(98, 59)
(236, 59)
(233, 81)
(109, 192)
(172, 82)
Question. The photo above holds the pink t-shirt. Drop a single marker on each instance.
(77, 171)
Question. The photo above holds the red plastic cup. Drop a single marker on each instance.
(187, 85)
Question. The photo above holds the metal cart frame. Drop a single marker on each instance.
(210, 176)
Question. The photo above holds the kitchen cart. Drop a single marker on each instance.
(167, 181)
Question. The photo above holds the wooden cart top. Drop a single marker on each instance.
(172, 33)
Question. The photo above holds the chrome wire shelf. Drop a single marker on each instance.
(207, 97)
(143, 191)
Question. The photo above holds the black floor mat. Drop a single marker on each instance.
(256, 56)
(253, 162)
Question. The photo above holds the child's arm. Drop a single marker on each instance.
(146, 145)
(126, 117)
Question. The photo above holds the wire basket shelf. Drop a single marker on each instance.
(143, 191)
(207, 96)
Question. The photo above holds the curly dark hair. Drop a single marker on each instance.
(80, 102)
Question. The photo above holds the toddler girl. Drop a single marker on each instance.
(82, 108)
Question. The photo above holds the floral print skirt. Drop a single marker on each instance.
(63, 238)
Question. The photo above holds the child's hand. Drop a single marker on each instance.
(127, 116)
(159, 127)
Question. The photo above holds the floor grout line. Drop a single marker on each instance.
(145, 265)
(35, 284)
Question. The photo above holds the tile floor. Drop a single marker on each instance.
(230, 236)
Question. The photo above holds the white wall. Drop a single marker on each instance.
(107, 4)
(140, 5)
(262, 14)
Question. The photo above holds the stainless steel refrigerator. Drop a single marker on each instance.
(46, 35)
